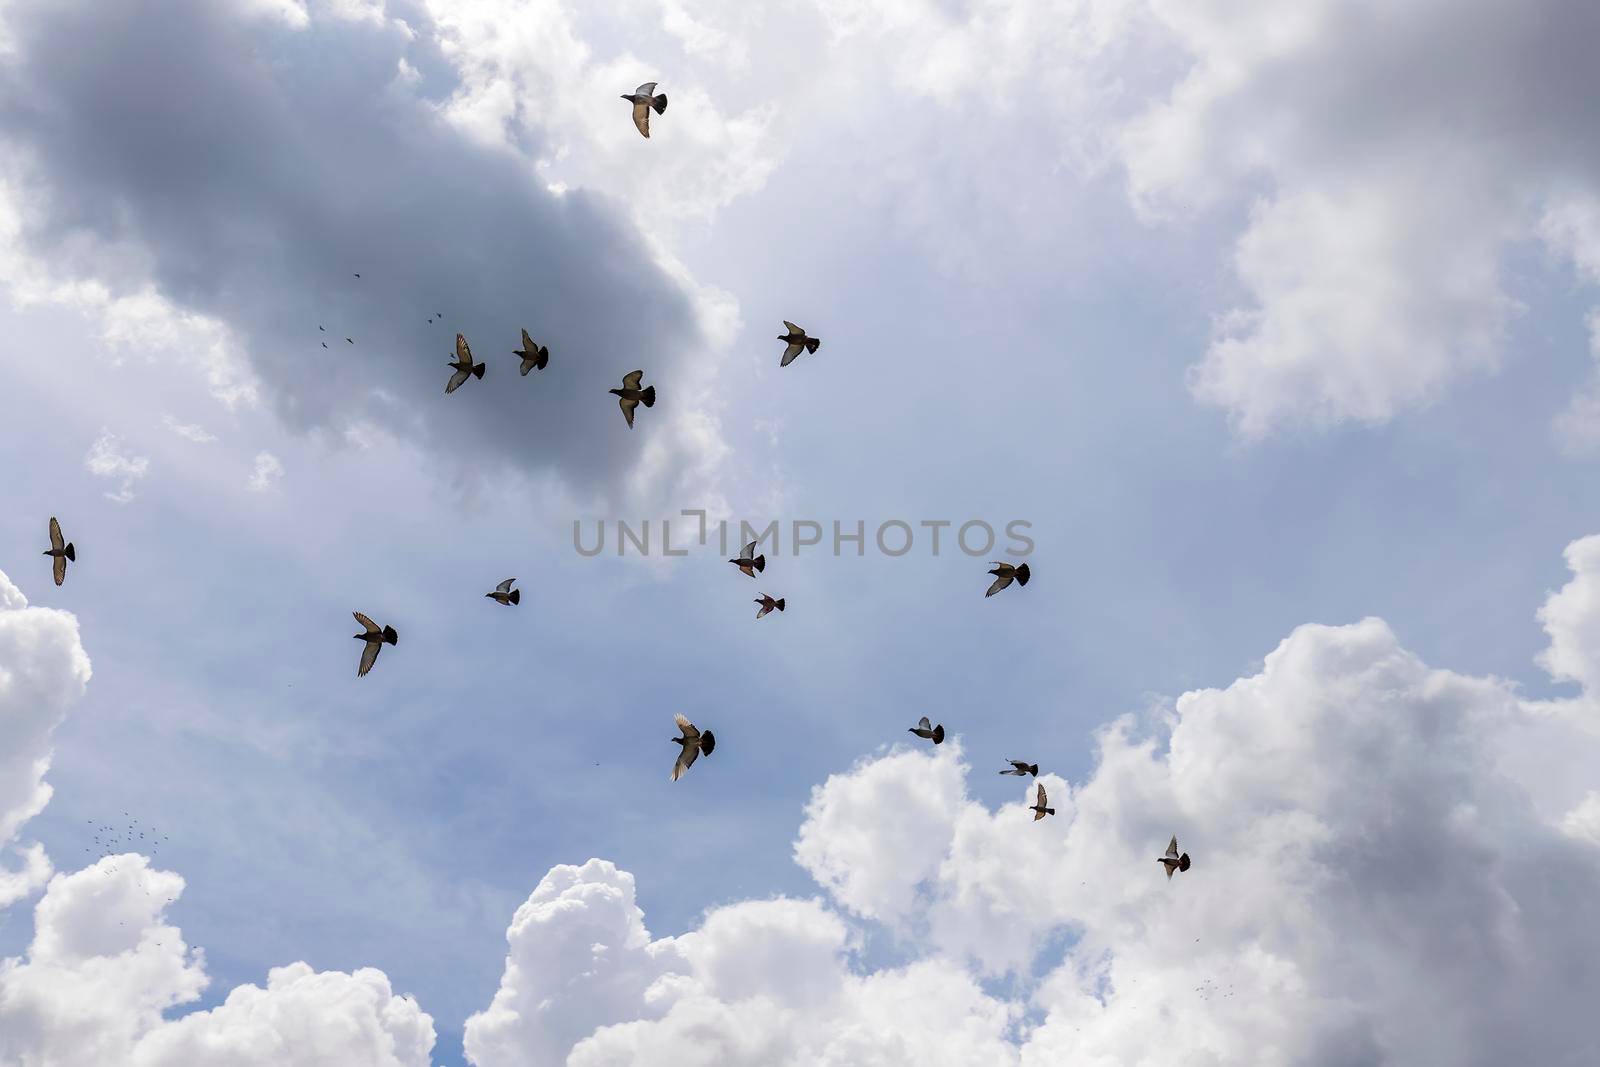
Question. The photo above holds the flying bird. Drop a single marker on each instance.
(643, 99)
(348, 339)
(532, 355)
(1004, 573)
(1172, 861)
(797, 340)
(631, 396)
(324, 344)
(693, 742)
(1039, 809)
(323, 329)
(463, 365)
(767, 604)
(504, 594)
(358, 275)
(375, 640)
(1020, 768)
(60, 551)
(749, 562)
(922, 729)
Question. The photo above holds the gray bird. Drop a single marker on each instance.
(463, 365)
(643, 99)
(693, 742)
(1039, 810)
(1020, 768)
(932, 733)
(749, 562)
(375, 639)
(532, 355)
(767, 604)
(504, 594)
(59, 552)
(631, 396)
(1004, 573)
(1172, 861)
(797, 340)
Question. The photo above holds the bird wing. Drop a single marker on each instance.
(505, 586)
(633, 379)
(57, 542)
(999, 584)
(647, 89)
(1172, 849)
(1044, 801)
(749, 551)
(793, 329)
(789, 353)
(627, 409)
(1019, 765)
(924, 724)
(59, 569)
(369, 656)
(463, 350)
(766, 606)
(527, 344)
(371, 627)
(686, 726)
(1169, 867)
(686, 760)
(455, 381)
(641, 117)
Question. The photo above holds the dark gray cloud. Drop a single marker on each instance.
(249, 170)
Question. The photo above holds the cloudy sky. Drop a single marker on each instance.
(1277, 325)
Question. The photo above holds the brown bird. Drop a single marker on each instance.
(1004, 573)
(59, 552)
(797, 340)
(1020, 768)
(749, 562)
(643, 99)
(375, 640)
(463, 365)
(532, 355)
(1039, 810)
(767, 604)
(1172, 861)
(504, 594)
(693, 742)
(631, 396)
(922, 729)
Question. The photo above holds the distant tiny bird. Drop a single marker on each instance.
(749, 562)
(324, 344)
(797, 340)
(1004, 573)
(1172, 861)
(1020, 768)
(767, 604)
(59, 552)
(1039, 809)
(643, 99)
(631, 396)
(358, 275)
(430, 322)
(375, 640)
(532, 355)
(322, 328)
(504, 594)
(348, 339)
(463, 366)
(693, 742)
(922, 729)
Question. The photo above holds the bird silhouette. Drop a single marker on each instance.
(1004, 573)
(692, 743)
(464, 366)
(59, 552)
(631, 396)
(932, 733)
(1039, 809)
(504, 594)
(1020, 768)
(749, 562)
(643, 99)
(767, 604)
(375, 639)
(1172, 861)
(532, 355)
(348, 339)
(797, 340)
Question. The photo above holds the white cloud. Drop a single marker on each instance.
(268, 471)
(188, 431)
(106, 459)
(1571, 619)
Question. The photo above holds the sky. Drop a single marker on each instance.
(1276, 328)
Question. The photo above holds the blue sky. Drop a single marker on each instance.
(962, 205)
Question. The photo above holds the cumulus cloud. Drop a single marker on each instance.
(106, 459)
(268, 471)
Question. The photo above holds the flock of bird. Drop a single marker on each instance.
(691, 740)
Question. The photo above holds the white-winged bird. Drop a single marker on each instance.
(532, 355)
(643, 99)
(463, 365)
(1039, 809)
(1004, 573)
(932, 733)
(375, 639)
(59, 552)
(1172, 861)
(749, 562)
(631, 396)
(1020, 768)
(767, 604)
(797, 340)
(504, 594)
(693, 742)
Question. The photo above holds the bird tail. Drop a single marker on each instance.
(390, 636)
(72, 553)
(1022, 574)
(1049, 811)
(938, 734)
(759, 563)
(544, 357)
(1183, 862)
(812, 345)
(516, 596)
(648, 397)
(660, 104)
(477, 371)
(779, 604)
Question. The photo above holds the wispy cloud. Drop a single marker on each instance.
(188, 431)
(269, 470)
(106, 459)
